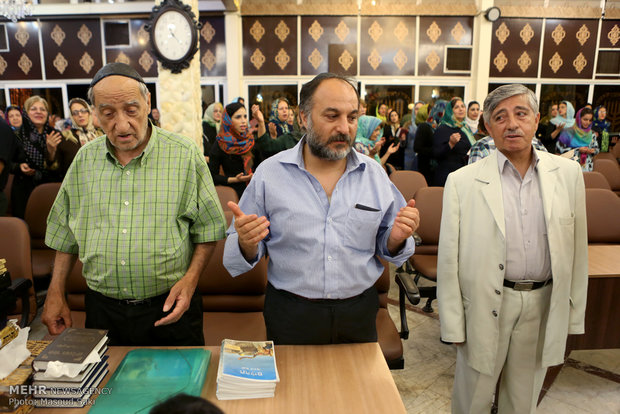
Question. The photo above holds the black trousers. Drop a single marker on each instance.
(132, 325)
(293, 320)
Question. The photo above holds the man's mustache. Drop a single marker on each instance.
(339, 138)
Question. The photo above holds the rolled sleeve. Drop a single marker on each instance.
(58, 235)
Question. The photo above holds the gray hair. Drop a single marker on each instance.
(504, 92)
(308, 89)
(144, 91)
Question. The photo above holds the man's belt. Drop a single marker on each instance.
(527, 286)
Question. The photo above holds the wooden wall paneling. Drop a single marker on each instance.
(569, 48)
(23, 60)
(212, 46)
(71, 48)
(387, 46)
(269, 45)
(610, 34)
(138, 53)
(435, 34)
(329, 44)
(515, 48)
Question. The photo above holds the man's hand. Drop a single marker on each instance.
(405, 224)
(180, 297)
(251, 229)
(56, 314)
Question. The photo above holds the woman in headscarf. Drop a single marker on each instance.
(279, 116)
(600, 128)
(234, 150)
(423, 145)
(564, 119)
(368, 137)
(580, 140)
(381, 112)
(13, 115)
(451, 141)
(211, 123)
(81, 133)
(473, 113)
(39, 142)
(395, 137)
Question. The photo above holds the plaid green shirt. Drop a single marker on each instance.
(134, 227)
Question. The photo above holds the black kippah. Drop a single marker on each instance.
(116, 69)
(233, 107)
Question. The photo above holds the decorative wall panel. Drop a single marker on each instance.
(71, 48)
(138, 53)
(387, 46)
(569, 48)
(23, 60)
(328, 44)
(270, 45)
(435, 34)
(610, 34)
(515, 48)
(212, 46)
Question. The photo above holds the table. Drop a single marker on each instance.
(347, 378)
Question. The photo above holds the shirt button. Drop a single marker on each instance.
(126, 203)
(525, 211)
(128, 172)
(124, 231)
(329, 258)
(125, 290)
(498, 292)
(494, 313)
(329, 296)
(123, 262)
(329, 219)
(501, 267)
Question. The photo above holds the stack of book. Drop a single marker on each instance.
(74, 348)
(246, 370)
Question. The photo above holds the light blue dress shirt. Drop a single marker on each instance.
(318, 248)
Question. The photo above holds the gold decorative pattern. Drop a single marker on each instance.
(401, 31)
(345, 60)
(207, 32)
(500, 61)
(524, 62)
(3, 65)
(558, 34)
(208, 59)
(282, 59)
(257, 59)
(583, 35)
(374, 59)
(143, 35)
(146, 61)
(556, 62)
(614, 35)
(22, 35)
(86, 62)
(24, 63)
(58, 35)
(315, 58)
(433, 32)
(502, 33)
(527, 33)
(375, 31)
(432, 60)
(60, 63)
(457, 32)
(342, 30)
(580, 62)
(257, 31)
(400, 59)
(123, 58)
(315, 31)
(84, 34)
(282, 31)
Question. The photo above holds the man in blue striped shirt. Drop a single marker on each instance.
(324, 214)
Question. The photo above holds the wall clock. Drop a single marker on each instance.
(174, 34)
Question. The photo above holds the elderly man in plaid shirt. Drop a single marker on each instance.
(139, 208)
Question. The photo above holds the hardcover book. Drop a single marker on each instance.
(72, 346)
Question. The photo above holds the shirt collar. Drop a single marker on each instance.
(296, 156)
(503, 161)
(143, 157)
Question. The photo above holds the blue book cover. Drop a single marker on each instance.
(249, 360)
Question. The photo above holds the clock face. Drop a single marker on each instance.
(173, 35)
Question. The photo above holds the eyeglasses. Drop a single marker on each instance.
(79, 111)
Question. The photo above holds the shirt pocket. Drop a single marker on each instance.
(567, 221)
(361, 228)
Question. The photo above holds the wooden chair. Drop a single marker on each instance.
(602, 209)
(37, 209)
(15, 248)
(611, 170)
(408, 182)
(594, 179)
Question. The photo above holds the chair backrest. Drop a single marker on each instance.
(15, 248)
(226, 194)
(604, 156)
(594, 179)
(616, 151)
(429, 203)
(37, 209)
(602, 208)
(408, 182)
(610, 170)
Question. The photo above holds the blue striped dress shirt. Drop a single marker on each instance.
(320, 248)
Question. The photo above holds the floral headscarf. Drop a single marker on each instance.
(208, 116)
(450, 120)
(439, 108)
(366, 125)
(273, 117)
(602, 124)
(569, 121)
(89, 133)
(232, 142)
(576, 136)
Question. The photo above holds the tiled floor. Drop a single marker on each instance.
(426, 382)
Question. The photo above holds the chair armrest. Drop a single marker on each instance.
(406, 288)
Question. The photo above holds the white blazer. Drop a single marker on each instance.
(472, 257)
